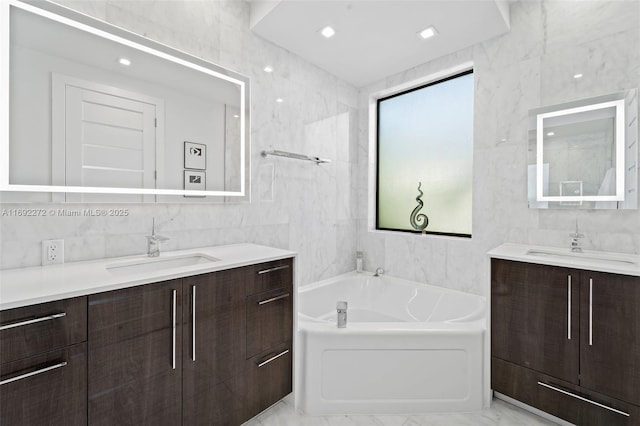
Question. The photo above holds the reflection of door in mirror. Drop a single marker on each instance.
(103, 137)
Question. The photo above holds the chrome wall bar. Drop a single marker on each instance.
(295, 156)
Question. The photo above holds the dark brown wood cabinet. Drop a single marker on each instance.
(214, 323)
(211, 349)
(269, 350)
(46, 389)
(43, 364)
(567, 341)
(610, 338)
(135, 356)
(531, 322)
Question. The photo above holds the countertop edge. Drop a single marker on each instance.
(104, 282)
(517, 252)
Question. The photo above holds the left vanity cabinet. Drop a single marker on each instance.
(43, 364)
(173, 352)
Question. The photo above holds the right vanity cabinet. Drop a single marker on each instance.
(567, 341)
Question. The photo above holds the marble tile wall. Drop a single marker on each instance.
(295, 205)
(321, 211)
(531, 66)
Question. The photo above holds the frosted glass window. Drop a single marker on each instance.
(425, 137)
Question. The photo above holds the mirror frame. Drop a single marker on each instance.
(103, 29)
(619, 149)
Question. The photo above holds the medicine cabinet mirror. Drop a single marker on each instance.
(584, 154)
(94, 109)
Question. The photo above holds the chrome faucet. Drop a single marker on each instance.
(379, 271)
(153, 241)
(575, 240)
(341, 308)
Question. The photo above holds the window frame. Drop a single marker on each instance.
(400, 92)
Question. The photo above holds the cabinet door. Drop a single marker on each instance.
(269, 378)
(46, 389)
(269, 320)
(610, 335)
(134, 364)
(535, 317)
(34, 329)
(214, 348)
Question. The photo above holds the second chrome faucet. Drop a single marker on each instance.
(153, 241)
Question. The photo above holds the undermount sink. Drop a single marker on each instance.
(158, 263)
(609, 258)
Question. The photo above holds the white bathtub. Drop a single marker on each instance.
(408, 348)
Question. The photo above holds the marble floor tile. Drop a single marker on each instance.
(499, 414)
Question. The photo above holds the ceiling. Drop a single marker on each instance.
(376, 38)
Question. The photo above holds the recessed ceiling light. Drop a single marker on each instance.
(577, 76)
(279, 100)
(427, 33)
(551, 133)
(327, 32)
(268, 69)
(124, 61)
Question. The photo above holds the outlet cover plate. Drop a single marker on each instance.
(52, 252)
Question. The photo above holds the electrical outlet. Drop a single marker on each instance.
(52, 252)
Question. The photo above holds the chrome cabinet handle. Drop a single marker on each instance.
(573, 395)
(33, 373)
(173, 326)
(32, 321)
(590, 311)
(273, 299)
(277, 268)
(286, 351)
(193, 323)
(568, 307)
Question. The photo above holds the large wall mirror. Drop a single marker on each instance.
(584, 154)
(94, 109)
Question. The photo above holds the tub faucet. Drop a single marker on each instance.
(153, 241)
(575, 240)
(341, 307)
(379, 271)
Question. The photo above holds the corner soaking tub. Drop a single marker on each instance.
(407, 348)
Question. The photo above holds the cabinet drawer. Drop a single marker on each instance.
(559, 398)
(269, 379)
(46, 389)
(40, 328)
(269, 276)
(269, 320)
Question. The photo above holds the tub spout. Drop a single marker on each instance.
(379, 271)
(341, 307)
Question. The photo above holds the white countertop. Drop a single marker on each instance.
(616, 263)
(28, 286)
